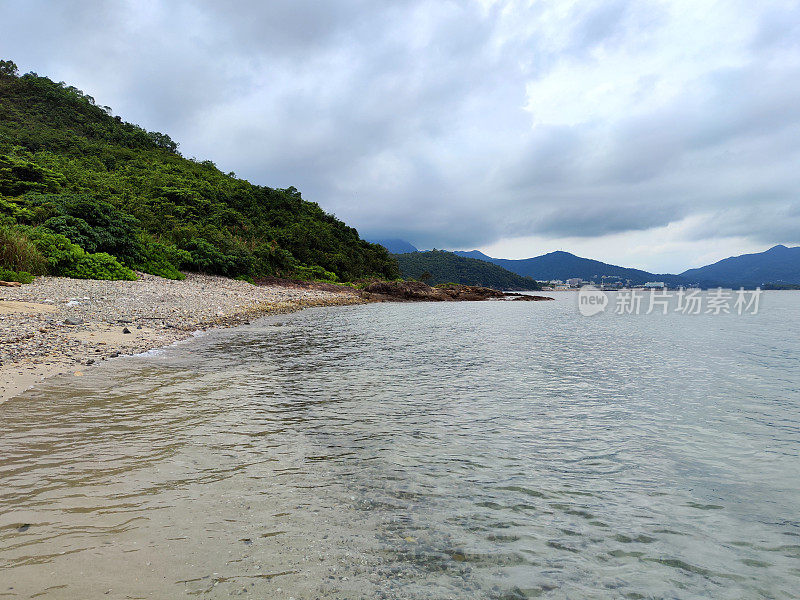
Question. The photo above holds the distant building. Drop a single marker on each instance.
(574, 281)
(660, 285)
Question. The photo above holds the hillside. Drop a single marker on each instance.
(561, 265)
(85, 194)
(778, 265)
(446, 267)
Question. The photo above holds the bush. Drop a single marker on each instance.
(58, 251)
(207, 258)
(162, 260)
(63, 258)
(19, 253)
(316, 272)
(92, 224)
(98, 266)
(20, 276)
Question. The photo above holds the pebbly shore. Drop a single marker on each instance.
(59, 326)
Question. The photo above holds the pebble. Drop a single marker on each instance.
(165, 311)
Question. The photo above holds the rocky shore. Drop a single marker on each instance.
(59, 326)
(417, 291)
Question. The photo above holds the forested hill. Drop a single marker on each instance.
(439, 266)
(85, 194)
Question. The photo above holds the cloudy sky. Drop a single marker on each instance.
(660, 135)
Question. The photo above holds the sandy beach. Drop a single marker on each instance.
(60, 326)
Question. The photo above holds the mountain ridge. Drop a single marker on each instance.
(777, 265)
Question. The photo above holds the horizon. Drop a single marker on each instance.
(657, 136)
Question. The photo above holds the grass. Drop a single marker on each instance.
(18, 253)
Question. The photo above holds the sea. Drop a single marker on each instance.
(472, 450)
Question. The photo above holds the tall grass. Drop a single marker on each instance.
(18, 253)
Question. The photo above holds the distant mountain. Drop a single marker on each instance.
(563, 265)
(446, 267)
(778, 265)
(396, 246)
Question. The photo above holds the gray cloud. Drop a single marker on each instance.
(459, 124)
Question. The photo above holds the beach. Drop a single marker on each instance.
(60, 326)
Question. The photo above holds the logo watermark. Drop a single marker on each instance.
(591, 300)
(691, 301)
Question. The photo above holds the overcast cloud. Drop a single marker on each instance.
(659, 135)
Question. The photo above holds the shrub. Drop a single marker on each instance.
(19, 253)
(20, 276)
(15, 212)
(98, 266)
(77, 230)
(162, 260)
(92, 224)
(58, 251)
(316, 272)
(66, 259)
(207, 258)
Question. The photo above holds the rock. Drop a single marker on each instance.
(138, 327)
(73, 321)
(526, 298)
(89, 361)
(405, 290)
(125, 330)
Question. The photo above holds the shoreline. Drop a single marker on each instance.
(58, 326)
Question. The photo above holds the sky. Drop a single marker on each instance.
(658, 135)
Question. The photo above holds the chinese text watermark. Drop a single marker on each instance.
(692, 301)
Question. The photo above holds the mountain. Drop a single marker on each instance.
(396, 246)
(85, 194)
(778, 265)
(561, 265)
(447, 267)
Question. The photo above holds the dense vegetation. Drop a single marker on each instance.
(439, 266)
(85, 194)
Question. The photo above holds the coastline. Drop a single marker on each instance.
(58, 326)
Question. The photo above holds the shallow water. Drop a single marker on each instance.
(468, 450)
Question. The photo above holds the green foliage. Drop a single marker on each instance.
(98, 266)
(19, 253)
(95, 225)
(69, 166)
(19, 176)
(163, 260)
(8, 68)
(66, 259)
(316, 272)
(438, 267)
(20, 276)
(59, 253)
(13, 212)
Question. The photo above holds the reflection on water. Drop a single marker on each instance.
(474, 450)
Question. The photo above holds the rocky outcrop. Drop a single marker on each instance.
(403, 290)
(416, 291)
